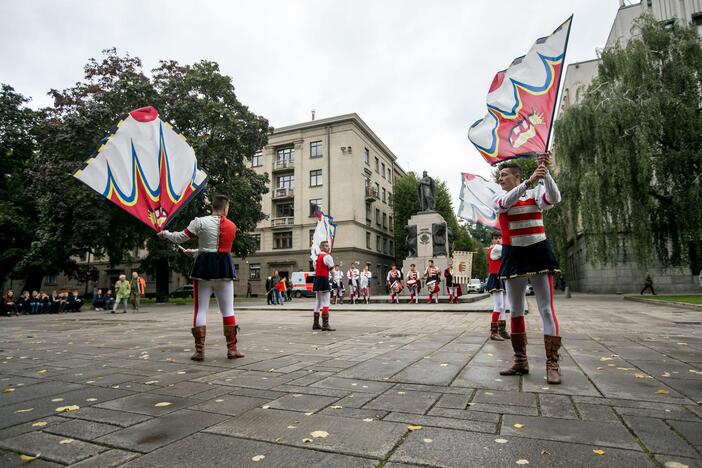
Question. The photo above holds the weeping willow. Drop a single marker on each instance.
(629, 154)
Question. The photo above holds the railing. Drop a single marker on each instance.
(372, 194)
(283, 192)
(280, 164)
(281, 222)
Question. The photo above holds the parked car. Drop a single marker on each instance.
(182, 292)
(302, 283)
(474, 285)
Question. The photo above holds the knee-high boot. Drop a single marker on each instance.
(553, 370)
(520, 365)
(230, 332)
(199, 335)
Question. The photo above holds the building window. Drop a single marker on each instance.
(392, 226)
(286, 181)
(385, 246)
(369, 214)
(282, 240)
(377, 189)
(51, 279)
(254, 271)
(377, 216)
(384, 195)
(257, 159)
(257, 241)
(392, 248)
(385, 221)
(390, 199)
(316, 178)
(389, 175)
(366, 156)
(316, 149)
(368, 240)
(284, 210)
(377, 243)
(377, 165)
(382, 170)
(285, 155)
(314, 204)
(311, 236)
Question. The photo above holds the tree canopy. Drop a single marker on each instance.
(629, 155)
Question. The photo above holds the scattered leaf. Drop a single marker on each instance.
(605, 359)
(219, 400)
(56, 400)
(43, 371)
(66, 441)
(674, 464)
(151, 382)
(8, 390)
(306, 441)
(265, 406)
(322, 434)
(309, 414)
(519, 426)
(180, 372)
(24, 410)
(40, 424)
(444, 364)
(662, 392)
(414, 428)
(162, 404)
(401, 393)
(600, 368)
(427, 441)
(598, 451)
(522, 461)
(639, 375)
(91, 399)
(28, 458)
(370, 419)
(665, 374)
(258, 458)
(545, 451)
(336, 407)
(501, 441)
(63, 409)
(292, 427)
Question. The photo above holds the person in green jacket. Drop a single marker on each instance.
(122, 290)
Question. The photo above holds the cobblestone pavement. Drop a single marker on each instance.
(393, 388)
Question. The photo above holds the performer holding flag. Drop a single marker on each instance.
(521, 106)
(496, 287)
(320, 253)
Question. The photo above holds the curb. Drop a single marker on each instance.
(681, 305)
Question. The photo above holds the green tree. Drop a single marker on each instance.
(17, 206)
(629, 155)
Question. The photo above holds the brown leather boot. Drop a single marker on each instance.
(230, 332)
(199, 335)
(502, 329)
(325, 323)
(520, 365)
(493, 332)
(553, 370)
(315, 324)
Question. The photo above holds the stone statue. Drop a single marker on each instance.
(438, 234)
(411, 240)
(426, 191)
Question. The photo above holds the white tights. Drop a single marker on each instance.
(543, 289)
(223, 291)
(498, 301)
(323, 300)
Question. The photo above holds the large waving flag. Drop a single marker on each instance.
(522, 101)
(476, 200)
(146, 168)
(325, 231)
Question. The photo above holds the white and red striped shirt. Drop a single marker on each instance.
(520, 212)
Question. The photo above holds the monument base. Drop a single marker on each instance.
(425, 242)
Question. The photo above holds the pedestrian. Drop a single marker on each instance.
(527, 256)
(122, 291)
(451, 286)
(648, 284)
(10, 303)
(137, 290)
(496, 287)
(275, 285)
(269, 291)
(248, 289)
(212, 271)
(109, 299)
(321, 287)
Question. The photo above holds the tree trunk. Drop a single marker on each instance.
(33, 282)
(163, 276)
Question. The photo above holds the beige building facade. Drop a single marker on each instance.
(340, 165)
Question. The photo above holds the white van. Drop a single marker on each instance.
(301, 282)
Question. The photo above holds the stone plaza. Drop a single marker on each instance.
(395, 386)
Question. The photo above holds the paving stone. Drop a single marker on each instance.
(150, 435)
(110, 459)
(143, 403)
(79, 429)
(557, 406)
(27, 427)
(689, 462)
(254, 379)
(256, 393)
(353, 385)
(50, 448)
(183, 389)
(215, 451)
(589, 412)
(304, 403)
(439, 369)
(437, 421)
(231, 405)
(465, 414)
(606, 434)
(213, 392)
(328, 392)
(348, 436)
(674, 412)
(407, 402)
(691, 388)
(485, 377)
(658, 437)
(355, 413)
(452, 448)
(384, 366)
(12, 460)
(504, 409)
(32, 392)
(454, 400)
(573, 382)
(435, 388)
(692, 431)
(311, 378)
(356, 400)
(496, 397)
(117, 418)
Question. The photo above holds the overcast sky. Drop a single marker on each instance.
(417, 72)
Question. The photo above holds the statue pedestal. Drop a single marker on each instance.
(427, 223)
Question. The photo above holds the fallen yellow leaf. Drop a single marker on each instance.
(662, 392)
(522, 461)
(40, 424)
(414, 428)
(674, 464)
(427, 441)
(258, 458)
(322, 434)
(306, 441)
(24, 410)
(519, 426)
(640, 376)
(501, 441)
(43, 371)
(598, 452)
(8, 390)
(336, 407)
(28, 458)
(56, 400)
(62, 409)
(162, 404)
(66, 441)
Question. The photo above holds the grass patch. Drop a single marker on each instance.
(689, 299)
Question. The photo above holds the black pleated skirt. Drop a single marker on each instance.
(494, 283)
(533, 259)
(321, 284)
(213, 266)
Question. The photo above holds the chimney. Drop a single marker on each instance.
(312, 114)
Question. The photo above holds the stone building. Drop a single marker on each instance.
(624, 276)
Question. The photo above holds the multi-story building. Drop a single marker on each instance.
(623, 275)
(340, 165)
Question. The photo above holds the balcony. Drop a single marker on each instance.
(282, 193)
(283, 165)
(372, 194)
(282, 222)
